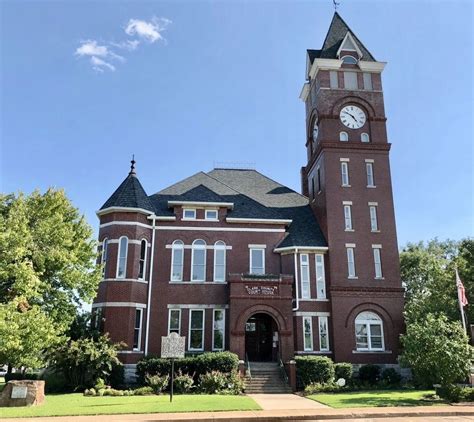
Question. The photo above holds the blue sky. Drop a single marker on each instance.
(218, 81)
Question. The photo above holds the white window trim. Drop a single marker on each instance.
(263, 259)
(301, 275)
(326, 349)
(118, 258)
(189, 218)
(373, 207)
(175, 246)
(362, 137)
(310, 319)
(144, 259)
(345, 174)
(371, 166)
(139, 342)
(203, 330)
(349, 275)
(222, 247)
(341, 135)
(374, 253)
(103, 259)
(169, 320)
(201, 247)
(323, 275)
(367, 323)
(223, 330)
(348, 218)
(211, 219)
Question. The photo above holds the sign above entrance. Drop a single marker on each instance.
(172, 346)
(262, 290)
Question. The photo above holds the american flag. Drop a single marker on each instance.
(461, 290)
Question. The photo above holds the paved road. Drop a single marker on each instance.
(404, 419)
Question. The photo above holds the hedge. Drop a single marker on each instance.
(314, 369)
(195, 366)
(343, 370)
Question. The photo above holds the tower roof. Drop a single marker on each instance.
(335, 36)
(130, 194)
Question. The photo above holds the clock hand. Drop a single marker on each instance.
(350, 115)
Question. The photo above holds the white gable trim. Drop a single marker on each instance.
(229, 205)
(351, 39)
(122, 209)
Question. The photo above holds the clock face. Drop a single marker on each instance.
(352, 116)
(315, 131)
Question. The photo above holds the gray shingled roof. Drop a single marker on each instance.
(336, 33)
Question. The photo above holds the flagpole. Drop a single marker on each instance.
(458, 280)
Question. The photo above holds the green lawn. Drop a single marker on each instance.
(77, 404)
(376, 398)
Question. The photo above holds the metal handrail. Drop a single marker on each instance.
(249, 373)
(282, 369)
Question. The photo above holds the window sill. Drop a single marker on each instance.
(371, 187)
(353, 278)
(125, 279)
(382, 352)
(197, 282)
(314, 300)
(375, 231)
(208, 220)
(129, 352)
(313, 352)
(379, 278)
(349, 230)
(346, 186)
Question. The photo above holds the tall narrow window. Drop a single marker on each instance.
(343, 136)
(105, 246)
(350, 80)
(351, 271)
(219, 261)
(323, 334)
(369, 332)
(142, 262)
(318, 179)
(347, 217)
(308, 333)
(174, 321)
(345, 173)
(218, 329)
(374, 226)
(312, 188)
(257, 261)
(333, 83)
(196, 329)
(320, 277)
(137, 332)
(198, 261)
(367, 81)
(122, 257)
(377, 262)
(177, 254)
(304, 271)
(370, 174)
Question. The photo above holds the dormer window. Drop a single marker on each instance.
(211, 215)
(189, 214)
(349, 60)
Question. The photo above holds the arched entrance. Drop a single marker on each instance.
(261, 338)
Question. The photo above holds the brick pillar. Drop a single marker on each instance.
(291, 372)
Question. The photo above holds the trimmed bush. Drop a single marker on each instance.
(317, 387)
(183, 383)
(369, 373)
(391, 377)
(343, 370)
(455, 393)
(157, 382)
(213, 382)
(314, 369)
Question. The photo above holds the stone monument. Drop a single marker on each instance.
(22, 393)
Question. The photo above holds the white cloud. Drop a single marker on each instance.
(99, 65)
(150, 31)
(91, 48)
(128, 45)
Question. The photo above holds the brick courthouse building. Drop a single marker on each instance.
(236, 261)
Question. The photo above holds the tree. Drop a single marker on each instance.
(47, 267)
(437, 350)
(428, 271)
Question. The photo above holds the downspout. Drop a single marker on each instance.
(296, 281)
(150, 282)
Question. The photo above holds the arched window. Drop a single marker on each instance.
(122, 257)
(198, 261)
(364, 137)
(349, 60)
(219, 261)
(103, 260)
(369, 332)
(142, 261)
(343, 137)
(177, 255)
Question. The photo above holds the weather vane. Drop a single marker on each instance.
(336, 4)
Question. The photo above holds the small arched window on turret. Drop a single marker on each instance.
(349, 60)
(142, 262)
(122, 257)
(343, 137)
(364, 137)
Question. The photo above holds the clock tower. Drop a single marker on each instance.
(347, 180)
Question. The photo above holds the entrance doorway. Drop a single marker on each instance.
(261, 338)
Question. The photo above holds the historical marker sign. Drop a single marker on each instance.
(173, 346)
(19, 392)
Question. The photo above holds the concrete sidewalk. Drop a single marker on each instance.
(286, 402)
(388, 413)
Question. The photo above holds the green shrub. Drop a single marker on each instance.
(455, 393)
(157, 382)
(183, 383)
(314, 369)
(317, 387)
(391, 377)
(99, 384)
(235, 383)
(117, 377)
(343, 370)
(213, 382)
(55, 382)
(143, 391)
(369, 373)
(18, 376)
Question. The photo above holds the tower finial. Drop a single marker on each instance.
(132, 167)
(336, 4)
